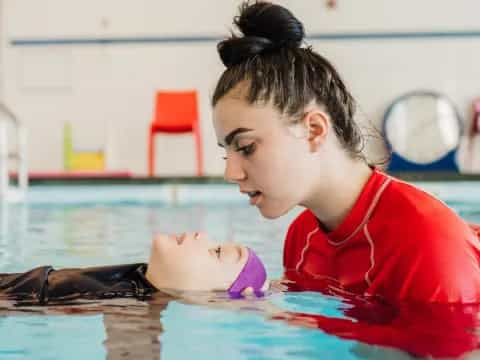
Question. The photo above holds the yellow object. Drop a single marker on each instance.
(80, 160)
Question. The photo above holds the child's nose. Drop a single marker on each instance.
(199, 235)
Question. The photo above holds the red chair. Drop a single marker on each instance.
(176, 112)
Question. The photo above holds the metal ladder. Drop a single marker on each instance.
(9, 192)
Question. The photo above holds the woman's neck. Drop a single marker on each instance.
(337, 190)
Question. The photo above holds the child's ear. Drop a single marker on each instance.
(247, 291)
(265, 286)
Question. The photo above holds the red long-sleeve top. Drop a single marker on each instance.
(397, 242)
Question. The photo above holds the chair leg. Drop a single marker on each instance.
(199, 151)
(151, 154)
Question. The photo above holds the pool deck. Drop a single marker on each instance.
(85, 179)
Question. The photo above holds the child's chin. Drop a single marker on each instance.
(162, 242)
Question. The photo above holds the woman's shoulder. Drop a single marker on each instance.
(408, 209)
(410, 200)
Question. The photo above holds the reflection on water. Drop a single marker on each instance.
(268, 328)
(128, 329)
(421, 330)
(13, 232)
(300, 325)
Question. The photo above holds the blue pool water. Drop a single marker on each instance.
(85, 225)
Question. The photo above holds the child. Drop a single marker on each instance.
(190, 262)
(286, 122)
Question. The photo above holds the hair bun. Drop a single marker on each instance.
(237, 50)
(265, 26)
(270, 21)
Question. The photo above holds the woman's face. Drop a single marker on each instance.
(192, 261)
(269, 162)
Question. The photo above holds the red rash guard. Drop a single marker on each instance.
(398, 242)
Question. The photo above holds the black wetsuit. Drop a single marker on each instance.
(44, 284)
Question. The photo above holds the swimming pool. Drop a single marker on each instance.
(100, 225)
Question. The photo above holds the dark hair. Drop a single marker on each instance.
(270, 58)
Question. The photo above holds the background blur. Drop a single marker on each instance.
(97, 65)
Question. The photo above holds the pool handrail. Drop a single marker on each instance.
(7, 192)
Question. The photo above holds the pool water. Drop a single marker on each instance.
(70, 226)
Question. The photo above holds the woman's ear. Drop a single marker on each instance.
(317, 123)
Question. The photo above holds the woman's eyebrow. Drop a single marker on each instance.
(229, 138)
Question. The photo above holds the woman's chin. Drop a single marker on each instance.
(273, 212)
(270, 216)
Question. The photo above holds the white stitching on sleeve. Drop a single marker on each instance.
(302, 258)
(372, 254)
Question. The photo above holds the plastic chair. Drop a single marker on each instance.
(81, 160)
(176, 112)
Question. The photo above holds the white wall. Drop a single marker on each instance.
(2, 46)
(110, 88)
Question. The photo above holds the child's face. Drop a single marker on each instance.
(192, 261)
(265, 156)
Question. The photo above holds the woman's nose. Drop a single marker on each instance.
(233, 171)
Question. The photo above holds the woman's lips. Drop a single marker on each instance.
(255, 199)
(254, 196)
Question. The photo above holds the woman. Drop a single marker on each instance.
(190, 262)
(286, 122)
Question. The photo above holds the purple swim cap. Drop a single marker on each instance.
(252, 275)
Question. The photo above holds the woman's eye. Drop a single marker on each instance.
(218, 250)
(247, 149)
